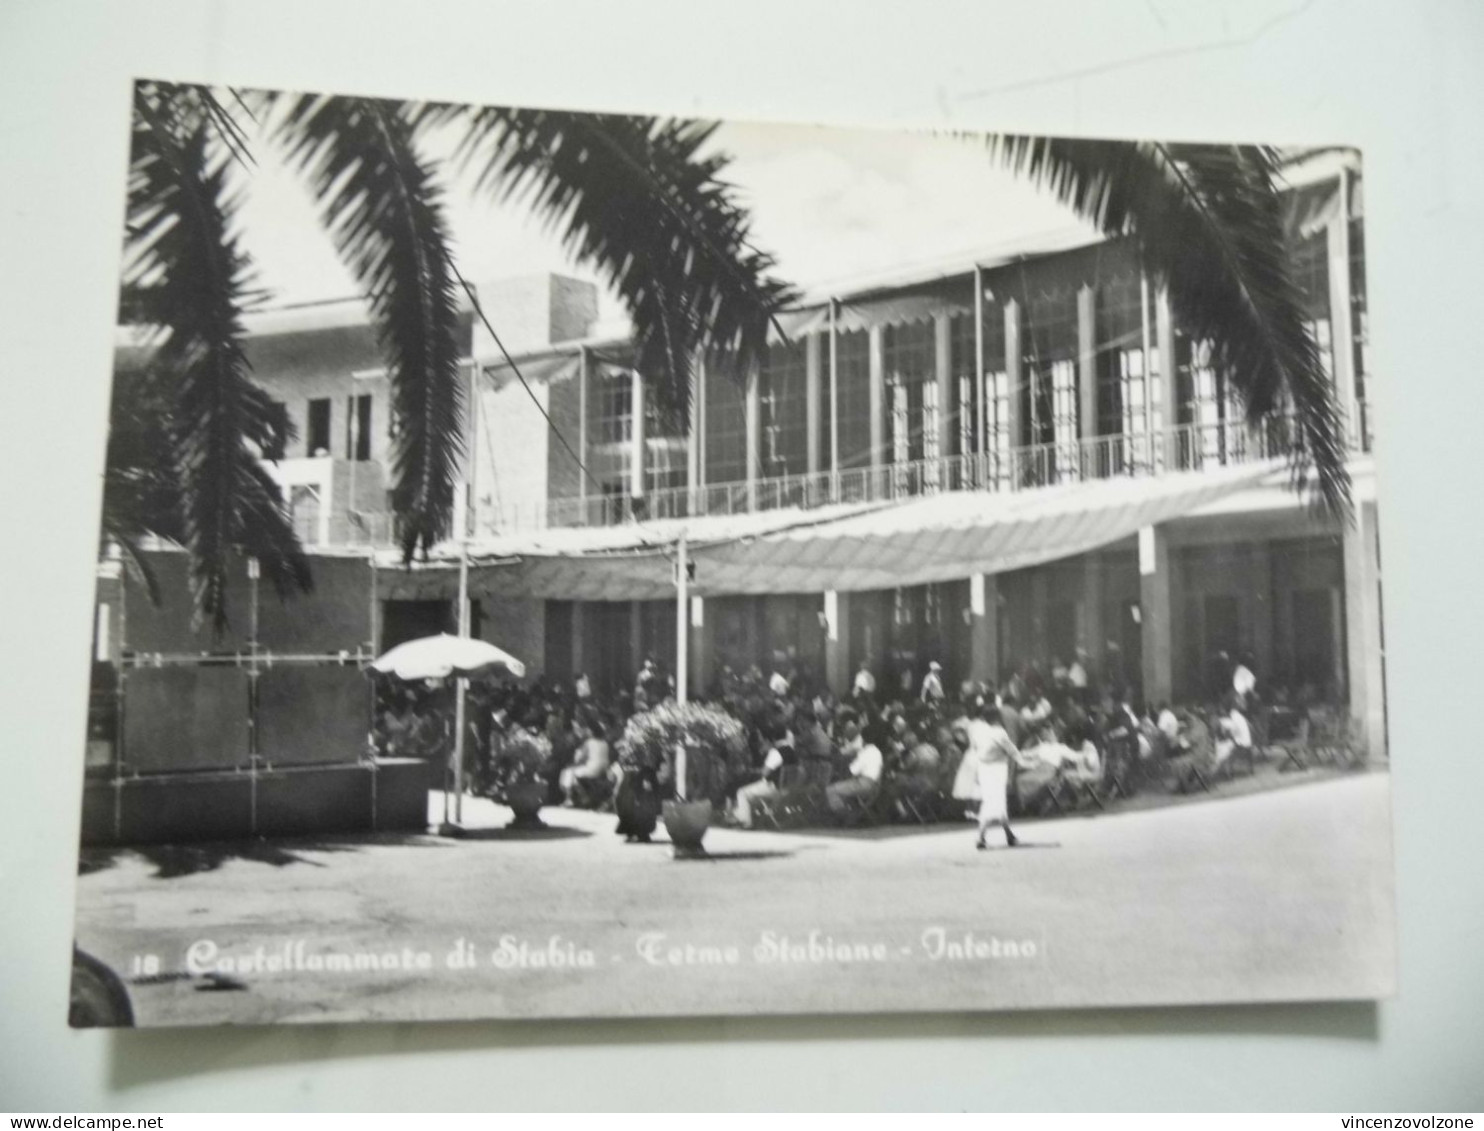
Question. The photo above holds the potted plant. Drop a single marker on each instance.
(687, 746)
(518, 776)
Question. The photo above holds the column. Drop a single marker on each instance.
(579, 638)
(1087, 376)
(753, 414)
(694, 424)
(1341, 328)
(838, 673)
(943, 374)
(1156, 614)
(702, 647)
(1364, 655)
(1262, 613)
(813, 370)
(636, 640)
(1092, 607)
(984, 627)
(1164, 333)
(1013, 370)
(582, 383)
(1040, 645)
(878, 398)
(636, 449)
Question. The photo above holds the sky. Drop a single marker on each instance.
(833, 206)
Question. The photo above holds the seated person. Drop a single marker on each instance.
(1195, 751)
(586, 783)
(864, 769)
(1169, 728)
(780, 754)
(918, 765)
(1235, 736)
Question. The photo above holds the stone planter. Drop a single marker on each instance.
(687, 822)
(525, 801)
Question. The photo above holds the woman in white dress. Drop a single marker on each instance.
(992, 773)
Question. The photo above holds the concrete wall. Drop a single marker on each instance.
(516, 624)
(391, 797)
(511, 453)
(335, 616)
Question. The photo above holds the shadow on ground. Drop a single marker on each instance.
(550, 832)
(172, 861)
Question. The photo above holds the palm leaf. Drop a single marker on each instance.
(213, 421)
(635, 198)
(1207, 220)
(384, 211)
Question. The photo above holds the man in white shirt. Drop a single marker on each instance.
(1243, 682)
(865, 682)
(932, 683)
(865, 766)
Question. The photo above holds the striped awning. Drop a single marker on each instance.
(937, 538)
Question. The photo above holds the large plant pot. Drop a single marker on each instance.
(525, 801)
(687, 822)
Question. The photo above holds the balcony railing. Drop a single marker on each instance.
(1188, 447)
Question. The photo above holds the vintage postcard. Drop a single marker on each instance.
(575, 565)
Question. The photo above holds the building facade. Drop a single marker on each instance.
(1031, 374)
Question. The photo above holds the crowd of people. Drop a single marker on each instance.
(936, 754)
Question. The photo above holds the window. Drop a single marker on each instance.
(1360, 342)
(358, 427)
(304, 512)
(1049, 396)
(909, 356)
(1127, 390)
(615, 405)
(317, 439)
(726, 424)
(783, 413)
(853, 381)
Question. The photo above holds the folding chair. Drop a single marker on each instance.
(774, 811)
(1329, 739)
(805, 804)
(1294, 747)
(1085, 788)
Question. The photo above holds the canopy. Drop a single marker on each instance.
(874, 546)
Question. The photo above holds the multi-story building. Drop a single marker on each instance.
(1047, 391)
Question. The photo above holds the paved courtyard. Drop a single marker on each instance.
(1279, 895)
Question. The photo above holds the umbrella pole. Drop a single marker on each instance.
(682, 620)
(461, 690)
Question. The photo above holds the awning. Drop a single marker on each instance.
(1308, 209)
(875, 546)
(541, 370)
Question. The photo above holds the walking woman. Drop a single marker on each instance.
(995, 753)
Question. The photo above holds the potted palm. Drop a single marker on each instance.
(689, 746)
(518, 776)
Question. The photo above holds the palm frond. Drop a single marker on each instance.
(383, 208)
(636, 198)
(1207, 219)
(213, 421)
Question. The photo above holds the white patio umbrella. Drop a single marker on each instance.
(438, 657)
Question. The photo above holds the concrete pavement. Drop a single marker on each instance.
(1281, 895)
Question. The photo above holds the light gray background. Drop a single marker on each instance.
(1401, 80)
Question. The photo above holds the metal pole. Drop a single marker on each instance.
(983, 415)
(682, 620)
(834, 406)
(465, 613)
(1148, 367)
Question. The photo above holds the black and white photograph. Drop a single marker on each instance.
(584, 565)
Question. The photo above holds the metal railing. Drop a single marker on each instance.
(1185, 448)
